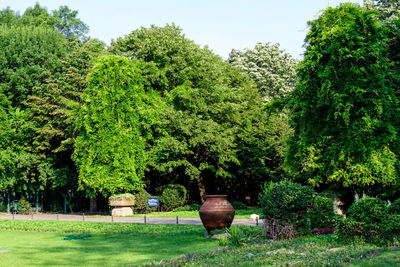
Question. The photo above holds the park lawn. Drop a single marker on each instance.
(239, 214)
(27, 248)
(386, 259)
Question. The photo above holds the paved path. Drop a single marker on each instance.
(152, 220)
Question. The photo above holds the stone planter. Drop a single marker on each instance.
(122, 207)
(216, 212)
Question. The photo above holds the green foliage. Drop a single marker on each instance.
(64, 20)
(3, 207)
(122, 196)
(368, 210)
(394, 207)
(178, 58)
(29, 56)
(109, 150)
(209, 114)
(272, 69)
(368, 221)
(238, 205)
(141, 201)
(321, 213)
(236, 236)
(24, 207)
(173, 196)
(286, 201)
(191, 207)
(344, 108)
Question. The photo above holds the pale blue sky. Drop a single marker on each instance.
(220, 24)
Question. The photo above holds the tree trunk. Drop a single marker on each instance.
(202, 189)
(93, 205)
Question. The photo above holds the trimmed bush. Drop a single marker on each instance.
(238, 205)
(24, 207)
(173, 196)
(285, 205)
(141, 201)
(321, 213)
(122, 196)
(368, 210)
(394, 208)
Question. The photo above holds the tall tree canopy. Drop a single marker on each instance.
(109, 150)
(210, 109)
(64, 20)
(272, 69)
(344, 109)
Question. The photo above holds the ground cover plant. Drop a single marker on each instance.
(305, 251)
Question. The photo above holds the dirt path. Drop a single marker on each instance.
(63, 217)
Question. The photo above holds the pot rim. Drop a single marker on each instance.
(215, 196)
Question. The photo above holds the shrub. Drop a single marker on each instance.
(285, 205)
(321, 213)
(3, 207)
(368, 210)
(24, 207)
(192, 207)
(394, 208)
(368, 221)
(141, 201)
(238, 205)
(173, 196)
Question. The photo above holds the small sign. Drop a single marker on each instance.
(153, 202)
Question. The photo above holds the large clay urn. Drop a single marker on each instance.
(216, 213)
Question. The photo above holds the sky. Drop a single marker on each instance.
(223, 25)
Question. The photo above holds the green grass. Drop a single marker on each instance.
(239, 214)
(100, 227)
(50, 249)
(54, 243)
(386, 259)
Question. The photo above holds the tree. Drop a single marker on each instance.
(206, 102)
(344, 109)
(68, 24)
(272, 69)
(29, 56)
(54, 113)
(64, 20)
(109, 150)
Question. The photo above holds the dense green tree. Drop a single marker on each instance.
(209, 110)
(178, 58)
(69, 24)
(54, 114)
(272, 69)
(21, 170)
(344, 109)
(29, 55)
(109, 150)
(64, 20)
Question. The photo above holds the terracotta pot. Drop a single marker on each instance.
(216, 213)
(122, 202)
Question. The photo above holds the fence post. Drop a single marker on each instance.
(83, 216)
(145, 219)
(177, 221)
(112, 218)
(58, 217)
(257, 221)
(13, 215)
(32, 216)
